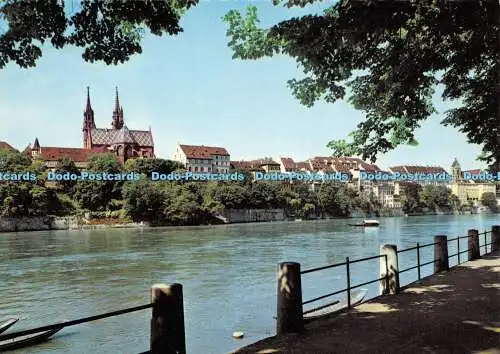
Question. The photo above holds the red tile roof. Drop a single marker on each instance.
(303, 166)
(288, 163)
(417, 169)
(473, 172)
(48, 153)
(5, 145)
(202, 152)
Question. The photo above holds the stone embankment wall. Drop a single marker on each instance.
(253, 215)
(53, 223)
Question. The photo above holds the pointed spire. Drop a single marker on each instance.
(117, 100)
(117, 121)
(88, 107)
(36, 144)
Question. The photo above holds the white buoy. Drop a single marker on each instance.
(238, 335)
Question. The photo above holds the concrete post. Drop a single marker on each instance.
(495, 238)
(289, 317)
(167, 323)
(389, 270)
(441, 261)
(473, 244)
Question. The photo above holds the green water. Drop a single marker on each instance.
(228, 273)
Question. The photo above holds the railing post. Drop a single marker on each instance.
(458, 250)
(167, 323)
(495, 238)
(389, 270)
(289, 318)
(418, 261)
(441, 261)
(348, 282)
(473, 244)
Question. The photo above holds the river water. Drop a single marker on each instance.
(228, 273)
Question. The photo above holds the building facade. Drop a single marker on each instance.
(469, 190)
(200, 158)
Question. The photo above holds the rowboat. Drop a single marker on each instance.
(357, 297)
(27, 340)
(7, 324)
(367, 223)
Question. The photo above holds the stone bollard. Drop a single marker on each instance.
(289, 317)
(473, 244)
(167, 323)
(441, 261)
(495, 238)
(389, 270)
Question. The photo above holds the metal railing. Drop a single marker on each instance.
(418, 266)
(349, 287)
(167, 320)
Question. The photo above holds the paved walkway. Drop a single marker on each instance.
(455, 312)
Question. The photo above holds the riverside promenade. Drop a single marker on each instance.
(450, 312)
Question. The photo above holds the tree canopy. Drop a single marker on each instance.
(109, 31)
(387, 58)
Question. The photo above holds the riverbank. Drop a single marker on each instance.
(236, 216)
(461, 316)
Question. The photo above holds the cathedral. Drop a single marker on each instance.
(118, 140)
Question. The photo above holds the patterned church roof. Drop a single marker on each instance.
(143, 138)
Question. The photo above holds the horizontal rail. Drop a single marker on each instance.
(367, 258)
(409, 249)
(408, 269)
(324, 296)
(429, 244)
(453, 255)
(427, 263)
(73, 322)
(457, 238)
(320, 307)
(321, 268)
(340, 264)
(366, 283)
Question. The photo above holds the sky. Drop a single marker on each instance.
(190, 91)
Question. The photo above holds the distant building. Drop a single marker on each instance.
(200, 158)
(469, 190)
(422, 170)
(50, 154)
(119, 140)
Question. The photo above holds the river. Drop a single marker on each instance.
(228, 273)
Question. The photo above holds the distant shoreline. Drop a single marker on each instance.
(48, 223)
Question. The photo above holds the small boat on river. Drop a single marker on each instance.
(367, 223)
(27, 340)
(357, 296)
(5, 325)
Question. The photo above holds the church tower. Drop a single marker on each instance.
(456, 171)
(117, 122)
(88, 123)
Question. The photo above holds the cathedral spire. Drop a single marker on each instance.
(117, 122)
(88, 121)
(88, 108)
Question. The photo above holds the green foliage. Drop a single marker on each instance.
(66, 165)
(149, 165)
(98, 195)
(144, 200)
(390, 55)
(490, 200)
(109, 31)
(13, 161)
(436, 197)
